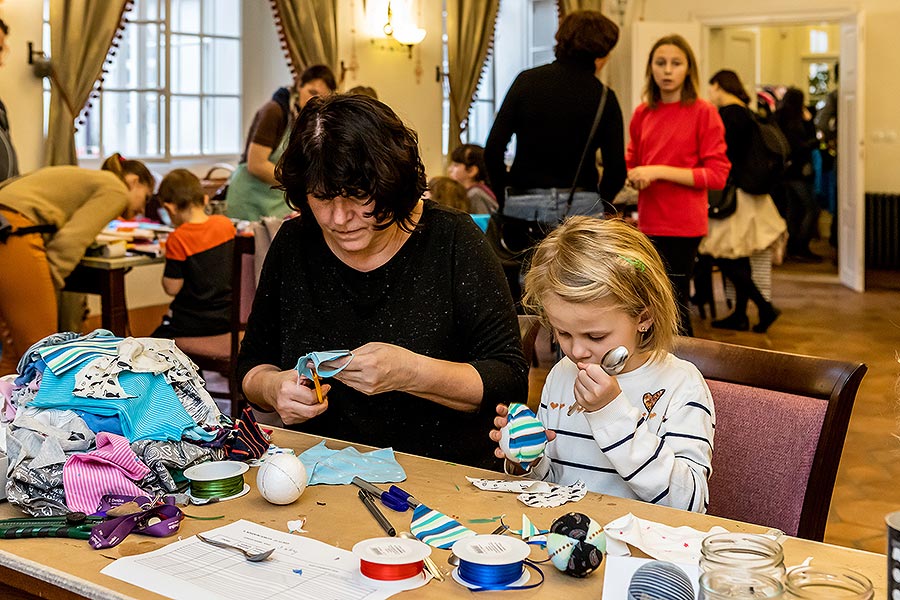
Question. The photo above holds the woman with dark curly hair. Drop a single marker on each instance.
(410, 286)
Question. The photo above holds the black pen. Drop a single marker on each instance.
(382, 520)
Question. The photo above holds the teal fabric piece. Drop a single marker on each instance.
(324, 465)
(153, 412)
(317, 358)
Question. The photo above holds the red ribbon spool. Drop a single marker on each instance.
(382, 572)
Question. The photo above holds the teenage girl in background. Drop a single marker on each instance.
(68, 206)
(646, 433)
(676, 153)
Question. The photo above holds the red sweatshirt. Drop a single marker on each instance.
(689, 136)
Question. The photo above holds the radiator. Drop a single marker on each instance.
(883, 231)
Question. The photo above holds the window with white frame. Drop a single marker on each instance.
(173, 89)
(524, 38)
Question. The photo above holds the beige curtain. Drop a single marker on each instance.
(567, 6)
(470, 31)
(81, 32)
(308, 28)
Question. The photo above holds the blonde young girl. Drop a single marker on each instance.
(676, 152)
(646, 433)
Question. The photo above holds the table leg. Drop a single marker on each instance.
(114, 311)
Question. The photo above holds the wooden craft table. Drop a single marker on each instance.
(64, 568)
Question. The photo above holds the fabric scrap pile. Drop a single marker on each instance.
(91, 415)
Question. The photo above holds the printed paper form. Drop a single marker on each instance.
(299, 568)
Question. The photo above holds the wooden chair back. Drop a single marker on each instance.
(781, 422)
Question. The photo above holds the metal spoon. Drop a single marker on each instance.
(453, 559)
(251, 556)
(612, 363)
(429, 564)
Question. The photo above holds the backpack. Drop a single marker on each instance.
(767, 158)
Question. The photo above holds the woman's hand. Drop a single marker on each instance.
(641, 177)
(377, 367)
(594, 389)
(293, 397)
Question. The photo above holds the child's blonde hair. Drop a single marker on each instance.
(586, 260)
(449, 192)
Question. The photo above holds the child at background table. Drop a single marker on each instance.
(646, 433)
(467, 167)
(449, 192)
(199, 258)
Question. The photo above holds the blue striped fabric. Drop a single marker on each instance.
(154, 413)
(64, 357)
(437, 529)
(660, 581)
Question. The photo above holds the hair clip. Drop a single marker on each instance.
(634, 262)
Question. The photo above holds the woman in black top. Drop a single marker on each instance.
(755, 224)
(550, 110)
(412, 288)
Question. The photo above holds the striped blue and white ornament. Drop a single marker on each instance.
(524, 437)
(659, 580)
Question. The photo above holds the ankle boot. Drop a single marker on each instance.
(767, 316)
(735, 321)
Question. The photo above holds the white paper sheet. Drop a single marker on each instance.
(299, 568)
(620, 570)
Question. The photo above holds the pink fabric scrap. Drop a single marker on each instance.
(110, 469)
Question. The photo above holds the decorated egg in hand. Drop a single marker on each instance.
(576, 544)
(524, 437)
(281, 479)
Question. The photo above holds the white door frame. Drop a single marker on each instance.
(853, 275)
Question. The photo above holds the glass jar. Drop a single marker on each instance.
(744, 551)
(728, 584)
(809, 583)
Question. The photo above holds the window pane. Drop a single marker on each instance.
(480, 117)
(542, 57)
(220, 136)
(222, 17)
(186, 16)
(544, 22)
(148, 10)
(87, 138)
(185, 64)
(185, 125)
(137, 61)
(221, 66)
(131, 123)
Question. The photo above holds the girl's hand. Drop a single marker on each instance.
(594, 389)
(377, 367)
(500, 422)
(641, 177)
(293, 397)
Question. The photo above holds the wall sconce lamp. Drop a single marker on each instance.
(40, 62)
(404, 32)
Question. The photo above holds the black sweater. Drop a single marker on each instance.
(442, 295)
(550, 109)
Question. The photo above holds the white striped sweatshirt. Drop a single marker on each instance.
(653, 442)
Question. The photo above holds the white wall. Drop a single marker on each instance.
(20, 90)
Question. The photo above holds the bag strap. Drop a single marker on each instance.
(587, 146)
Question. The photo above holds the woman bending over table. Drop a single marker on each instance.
(54, 214)
(411, 287)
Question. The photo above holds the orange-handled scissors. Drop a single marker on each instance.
(318, 384)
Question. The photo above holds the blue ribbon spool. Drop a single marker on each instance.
(493, 562)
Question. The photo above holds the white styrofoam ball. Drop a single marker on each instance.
(281, 479)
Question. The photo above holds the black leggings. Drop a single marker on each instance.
(738, 271)
(679, 254)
